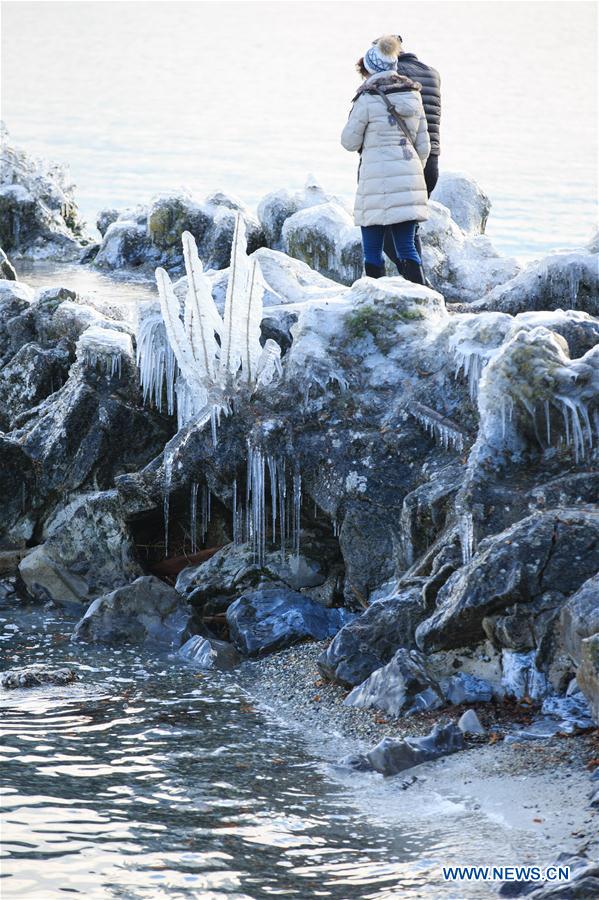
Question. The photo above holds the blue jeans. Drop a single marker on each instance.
(402, 235)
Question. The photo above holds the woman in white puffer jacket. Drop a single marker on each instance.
(391, 187)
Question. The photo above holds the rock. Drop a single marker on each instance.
(150, 235)
(15, 299)
(466, 688)
(395, 688)
(265, 620)
(89, 554)
(325, 237)
(7, 270)
(464, 198)
(147, 611)
(209, 653)
(391, 756)
(17, 486)
(38, 213)
(72, 319)
(370, 641)
(36, 675)
(521, 678)
(588, 672)
(276, 207)
(469, 723)
(554, 548)
(581, 882)
(572, 712)
(563, 280)
(31, 375)
(105, 218)
(462, 267)
(579, 617)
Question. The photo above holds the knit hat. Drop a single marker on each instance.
(382, 56)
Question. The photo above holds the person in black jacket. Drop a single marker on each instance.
(409, 64)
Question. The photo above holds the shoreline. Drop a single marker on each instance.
(512, 786)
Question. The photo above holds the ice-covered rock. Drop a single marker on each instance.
(105, 218)
(31, 375)
(147, 611)
(392, 756)
(554, 549)
(396, 687)
(106, 349)
(462, 267)
(563, 280)
(89, 554)
(588, 672)
(466, 688)
(265, 620)
(276, 207)
(210, 653)
(150, 236)
(325, 237)
(370, 641)
(521, 677)
(464, 198)
(36, 675)
(579, 617)
(38, 213)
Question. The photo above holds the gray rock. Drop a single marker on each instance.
(394, 687)
(521, 678)
(209, 653)
(466, 688)
(588, 672)
(579, 617)
(572, 712)
(36, 675)
(370, 641)
(467, 202)
(89, 554)
(147, 611)
(105, 218)
(583, 883)
(392, 756)
(469, 723)
(265, 620)
(31, 375)
(554, 549)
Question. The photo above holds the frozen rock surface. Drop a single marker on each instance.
(36, 675)
(392, 756)
(210, 653)
(464, 198)
(265, 620)
(38, 213)
(396, 688)
(144, 612)
(7, 270)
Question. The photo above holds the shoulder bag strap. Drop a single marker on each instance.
(393, 112)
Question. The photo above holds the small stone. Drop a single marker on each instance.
(469, 723)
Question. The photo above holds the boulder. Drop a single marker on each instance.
(469, 723)
(466, 688)
(278, 206)
(556, 548)
(391, 756)
(265, 620)
(38, 213)
(371, 639)
(563, 280)
(89, 554)
(325, 237)
(464, 198)
(579, 617)
(147, 611)
(36, 675)
(521, 677)
(105, 218)
(396, 688)
(31, 375)
(209, 653)
(588, 672)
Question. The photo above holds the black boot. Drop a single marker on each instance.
(413, 271)
(400, 263)
(418, 245)
(374, 271)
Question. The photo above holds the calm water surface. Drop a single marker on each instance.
(145, 97)
(147, 779)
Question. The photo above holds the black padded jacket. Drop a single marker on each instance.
(409, 64)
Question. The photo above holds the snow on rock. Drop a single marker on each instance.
(38, 213)
(462, 267)
(106, 349)
(280, 205)
(464, 198)
(150, 236)
(563, 280)
(324, 236)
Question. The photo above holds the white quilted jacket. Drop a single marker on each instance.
(391, 185)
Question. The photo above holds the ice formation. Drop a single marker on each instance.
(104, 348)
(443, 430)
(201, 358)
(252, 523)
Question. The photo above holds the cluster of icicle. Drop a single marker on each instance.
(444, 432)
(204, 358)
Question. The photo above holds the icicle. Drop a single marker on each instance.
(466, 532)
(213, 425)
(168, 464)
(194, 509)
(282, 492)
(406, 534)
(297, 510)
(443, 430)
(272, 473)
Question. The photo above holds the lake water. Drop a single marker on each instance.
(140, 98)
(147, 780)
